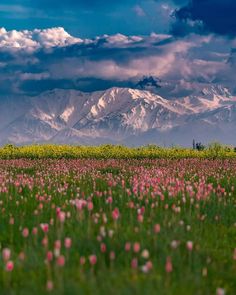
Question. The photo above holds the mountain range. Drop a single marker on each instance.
(121, 116)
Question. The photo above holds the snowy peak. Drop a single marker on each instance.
(120, 115)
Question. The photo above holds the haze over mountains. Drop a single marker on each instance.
(122, 116)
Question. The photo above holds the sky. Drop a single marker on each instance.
(95, 44)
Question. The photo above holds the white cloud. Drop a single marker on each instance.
(32, 40)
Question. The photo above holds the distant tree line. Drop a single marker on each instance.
(198, 146)
(215, 146)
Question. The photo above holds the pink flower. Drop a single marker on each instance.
(61, 261)
(6, 254)
(116, 214)
(34, 231)
(112, 255)
(149, 265)
(189, 245)
(90, 206)
(134, 263)
(45, 241)
(169, 266)
(140, 218)
(93, 259)
(49, 286)
(9, 266)
(109, 200)
(136, 247)
(103, 248)
(82, 260)
(44, 227)
(57, 244)
(157, 228)
(58, 210)
(25, 232)
(220, 291)
(68, 243)
(62, 216)
(49, 256)
(127, 246)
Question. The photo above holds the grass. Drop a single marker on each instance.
(191, 200)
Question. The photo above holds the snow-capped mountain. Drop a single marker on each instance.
(119, 115)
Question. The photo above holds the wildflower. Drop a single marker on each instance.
(174, 244)
(93, 259)
(112, 255)
(49, 285)
(169, 266)
(34, 231)
(90, 206)
(140, 218)
(147, 267)
(220, 291)
(110, 233)
(127, 246)
(136, 247)
(188, 227)
(145, 254)
(67, 243)
(61, 261)
(82, 260)
(134, 263)
(6, 254)
(45, 241)
(62, 216)
(57, 248)
(49, 256)
(116, 214)
(44, 227)
(9, 266)
(109, 200)
(57, 244)
(157, 228)
(25, 232)
(103, 248)
(189, 245)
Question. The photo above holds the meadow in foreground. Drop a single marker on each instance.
(118, 226)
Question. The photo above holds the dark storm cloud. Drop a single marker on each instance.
(216, 16)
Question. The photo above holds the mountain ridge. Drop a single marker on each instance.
(119, 115)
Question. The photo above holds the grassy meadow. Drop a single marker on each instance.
(76, 220)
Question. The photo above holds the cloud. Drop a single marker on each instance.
(139, 11)
(40, 60)
(36, 39)
(217, 16)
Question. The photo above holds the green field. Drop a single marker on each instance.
(90, 226)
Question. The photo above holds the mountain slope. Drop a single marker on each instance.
(119, 115)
